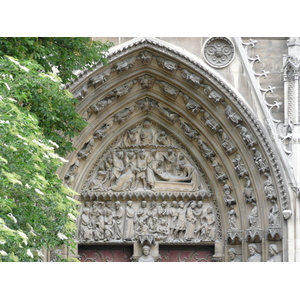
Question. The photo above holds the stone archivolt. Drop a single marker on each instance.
(177, 137)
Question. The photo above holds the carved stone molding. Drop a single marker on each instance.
(219, 52)
(234, 237)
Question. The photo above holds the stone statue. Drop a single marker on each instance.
(254, 255)
(232, 116)
(129, 222)
(108, 226)
(198, 212)
(233, 256)
(146, 257)
(162, 211)
(269, 187)
(260, 162)
(232, 216)
(141, 171)
(152, 217)
(173, 218)
(249, 192)
(274, 212)
(253, 217)
(190, 222)
(208, 153)
(163, 138)
(152, 163)
(246, 136)
(219, 174)
(125, 181)
(118, 217)
(131, 137)
(86, 226)
(275, 256)
(239, 166)
(192, 105)
(228, 198)
(210, 222)
(226, 143)
(180, 225)
(147, 133)
(188, 131)
(210, 122)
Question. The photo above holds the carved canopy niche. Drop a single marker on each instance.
(172, 152)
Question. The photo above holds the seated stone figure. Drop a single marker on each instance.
(146, 257)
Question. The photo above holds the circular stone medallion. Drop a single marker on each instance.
(219, 52)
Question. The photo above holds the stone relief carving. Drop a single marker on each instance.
(188, 131)
(218, 51)
(211, 122)
(146, 81)
(191, 78)
(146, 57)
(146, 104)
(269, 187)
(249, 192)
(212, 94)
(233, 256)
(71, 174)
(81, 93)
(191, 104)
(145, 158)
(167, 221)
(99, 79)
(226, 142)
(232, 116)
(98, 107)
(170, 115)
(219, 173)
(168, 89)
(123, 115)
(124, 65)
(254, 255)
(146, 257)
(259, 161)
(246, 136)
(122, 90)
(274, 254)
(207, 152)
(239, 166)
(228, 198)
(103, 131)
(167, 64)
(86, 150)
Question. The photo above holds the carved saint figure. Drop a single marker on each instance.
(129, 222)
(226, 143)
(210, 223)
(180, 222)
(86, 226)
(163, 138)
(152, 217)
(249, 192)
(98, 222)
(274, 254)
(259, 161)
(229, 200)
(118, 218)
(232, 116)
(108, 225)
(198, 212)
(131, 137)
(208, 153)
(124, 182)
(162, 229)
(141, 171)
(116, 165)
(147, 133)
(269, 188)
(190, 222)
(210, 122)
(232, 216)
(233, 256)
(162, 211)
(246, 136)
(253, 217)
(151, 168)
(173, 218)
(254, 255)
(146, 257)
(239, 166)
(274, 212)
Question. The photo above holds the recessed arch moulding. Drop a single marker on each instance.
(172, 152)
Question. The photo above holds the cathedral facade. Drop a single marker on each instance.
(190, 153)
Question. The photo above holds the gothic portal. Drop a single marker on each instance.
(174, 158)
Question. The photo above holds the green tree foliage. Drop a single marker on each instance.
(37, 120)
(66, 54)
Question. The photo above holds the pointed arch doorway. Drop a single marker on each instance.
(172, 158)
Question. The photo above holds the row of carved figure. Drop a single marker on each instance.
(124, 170)
(170, 222)
(145, 57)
(254, 256)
